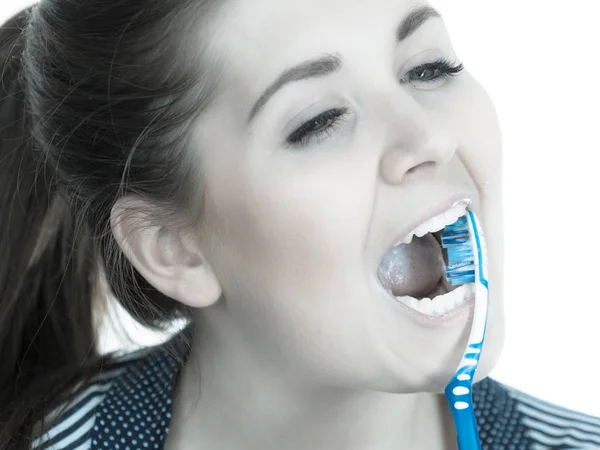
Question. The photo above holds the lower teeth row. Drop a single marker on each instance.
(442, 303)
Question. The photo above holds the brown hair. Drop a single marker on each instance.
(97, 103)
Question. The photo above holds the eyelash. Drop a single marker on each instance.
(335, 117)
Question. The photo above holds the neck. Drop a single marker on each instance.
(225, 400)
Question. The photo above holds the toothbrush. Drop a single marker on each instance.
(467, 263)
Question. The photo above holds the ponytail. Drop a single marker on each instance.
(48, 267)
(81, 126)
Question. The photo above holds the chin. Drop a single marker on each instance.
(436, 376)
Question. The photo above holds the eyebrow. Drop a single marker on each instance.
(329, 64)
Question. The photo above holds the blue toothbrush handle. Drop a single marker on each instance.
(466, 429)
(460, 399)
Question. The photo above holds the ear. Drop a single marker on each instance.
(160, 255)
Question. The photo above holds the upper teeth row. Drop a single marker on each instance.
(438, 222)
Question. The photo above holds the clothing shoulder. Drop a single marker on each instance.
(71, 424)
(549, 426)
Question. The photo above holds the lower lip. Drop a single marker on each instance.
(457, 317)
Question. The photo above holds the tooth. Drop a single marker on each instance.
(441, 223)
(409, 301)
(440, 304)
(420, 232)
(457, 296)
(423, 229)
(450, 218)
(426, 306)
(434, 225)
(428, 226)
(413, 302)
(437, 223)
(408, 239)
(470, 289)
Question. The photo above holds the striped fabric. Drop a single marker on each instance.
(552, 427)
(72, 431)
(73, 428)
(128, 407)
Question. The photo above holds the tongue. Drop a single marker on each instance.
(413, 269)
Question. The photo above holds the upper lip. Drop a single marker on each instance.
(427, 214)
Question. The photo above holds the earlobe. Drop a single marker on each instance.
(159, 254)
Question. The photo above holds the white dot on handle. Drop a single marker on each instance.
(463, 377)
(460, 390)
(461, 405)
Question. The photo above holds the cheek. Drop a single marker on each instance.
(290, 251)
(480, 138)
(296, 225)
(481, 152)
(314, 219)
(476, 124)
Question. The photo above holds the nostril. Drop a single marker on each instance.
(422, 167)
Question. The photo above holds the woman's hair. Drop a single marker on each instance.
(98, 101)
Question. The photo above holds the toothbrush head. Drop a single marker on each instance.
(461, 261)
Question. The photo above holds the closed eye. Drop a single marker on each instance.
(318, 127)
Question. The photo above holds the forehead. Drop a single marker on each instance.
(264, 36)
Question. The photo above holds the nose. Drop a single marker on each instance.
(417, 147)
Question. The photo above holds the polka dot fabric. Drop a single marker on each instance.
(498, 420)
(136, 412)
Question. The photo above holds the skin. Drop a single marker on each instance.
(298, 346)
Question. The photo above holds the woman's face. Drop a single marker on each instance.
(301, 206)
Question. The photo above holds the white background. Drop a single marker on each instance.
(539, 62)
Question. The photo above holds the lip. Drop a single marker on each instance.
(429, 213)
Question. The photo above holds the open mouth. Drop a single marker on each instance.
(414, 272)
